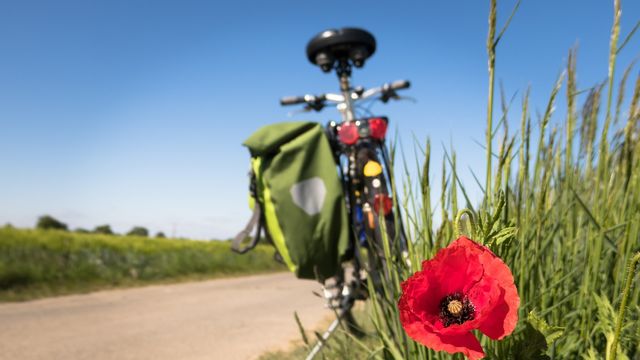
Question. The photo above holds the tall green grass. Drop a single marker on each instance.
(561, 208)
(37, 263)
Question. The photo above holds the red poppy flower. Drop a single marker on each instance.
(465, 287)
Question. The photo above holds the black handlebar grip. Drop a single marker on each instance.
(291, 100)
(400, 84)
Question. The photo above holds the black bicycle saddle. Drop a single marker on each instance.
(342, 45)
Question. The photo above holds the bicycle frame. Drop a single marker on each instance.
(347, 152)
(361, 190)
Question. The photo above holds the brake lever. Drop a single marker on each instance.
(394, 95)
(305, 109)
(388, 94)
(408, 98)
(317, 106)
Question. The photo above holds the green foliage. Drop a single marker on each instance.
(161, 235)
(47, 222)
(548, 332)
(103, 229)
(138, 231)
(38, 263)
(605, 325)
(533, 341)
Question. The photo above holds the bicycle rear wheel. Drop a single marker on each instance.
(380, 226)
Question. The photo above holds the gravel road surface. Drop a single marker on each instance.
(236, 318)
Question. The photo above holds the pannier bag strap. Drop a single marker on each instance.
(254, 222)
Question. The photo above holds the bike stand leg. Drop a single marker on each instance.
(325, 337)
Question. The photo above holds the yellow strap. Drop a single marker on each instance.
(271, 219)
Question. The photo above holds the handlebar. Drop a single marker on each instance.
(311, 100)
(316, 102)
(292, 100)
(400, 84)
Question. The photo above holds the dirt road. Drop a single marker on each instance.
(235, 318)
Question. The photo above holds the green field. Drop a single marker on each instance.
(36, 263)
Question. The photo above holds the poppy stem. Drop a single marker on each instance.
(491, 52)
(458, 226)
(623, 304)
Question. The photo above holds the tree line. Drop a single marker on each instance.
(48, 222)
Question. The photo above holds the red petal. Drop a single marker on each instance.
(496, 297)
(456, 267)
(504, 315)
(417, 295)
(465, 343)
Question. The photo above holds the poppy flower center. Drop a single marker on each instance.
(456, 309)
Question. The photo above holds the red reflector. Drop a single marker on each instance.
(377, 128)
(384, 201)
(348, 133)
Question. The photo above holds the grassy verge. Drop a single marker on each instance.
(341, 345)
(43, 263)
(561, 207)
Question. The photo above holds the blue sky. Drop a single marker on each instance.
(133, 112)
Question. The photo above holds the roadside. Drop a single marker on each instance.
(341, 345)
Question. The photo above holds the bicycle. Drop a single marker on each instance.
(362, 158)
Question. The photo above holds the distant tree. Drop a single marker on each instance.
(138, 231)
(160, 234)
(81, 231)
(47, 222)
(8, 226)
(103, 229)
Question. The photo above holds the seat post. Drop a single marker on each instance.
(343, 70)
(344, 83)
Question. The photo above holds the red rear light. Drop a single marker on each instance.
(348, 133)
(384, 201)
(377, 128)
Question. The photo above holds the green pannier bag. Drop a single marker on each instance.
(297, 197)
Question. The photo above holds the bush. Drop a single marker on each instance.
(103, 229)
(47, 222)
(138, 231)
(161, 235)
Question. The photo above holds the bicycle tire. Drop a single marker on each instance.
(376, 184)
